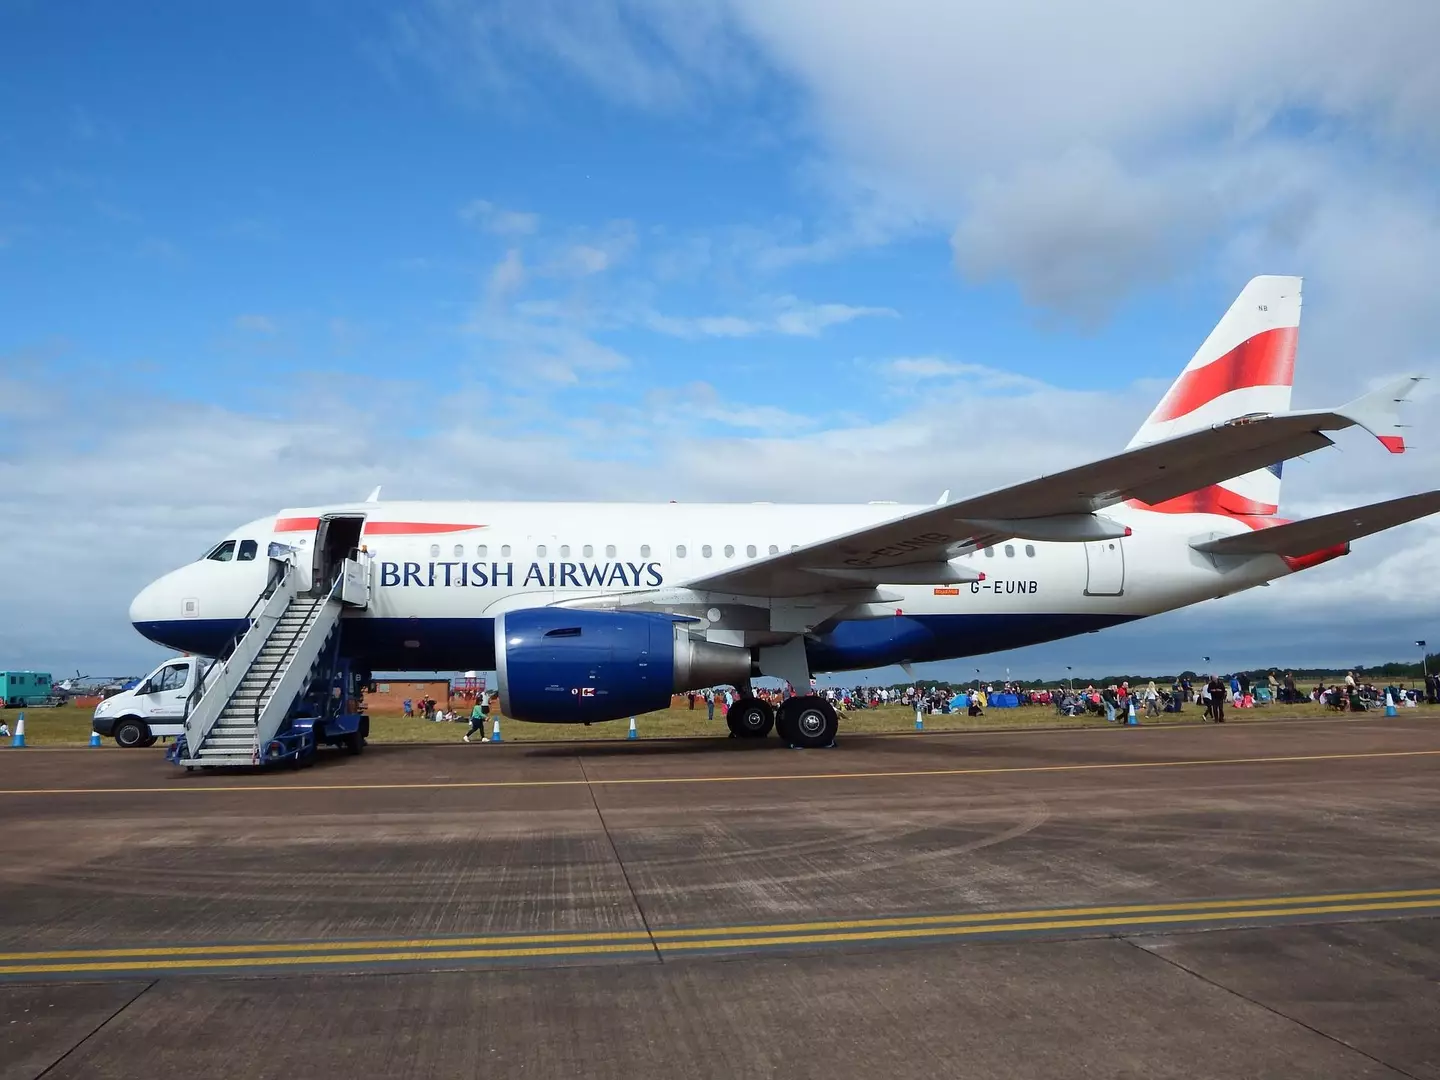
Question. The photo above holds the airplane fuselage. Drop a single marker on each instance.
(441, 572)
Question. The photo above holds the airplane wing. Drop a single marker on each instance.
(1300, 538)
(1061, 506)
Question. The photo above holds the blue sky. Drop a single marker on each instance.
(264, 254)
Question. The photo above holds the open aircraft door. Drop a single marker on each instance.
(1105, 567)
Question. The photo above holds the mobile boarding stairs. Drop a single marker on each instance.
(244, 700)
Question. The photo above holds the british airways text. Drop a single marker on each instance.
(562, 575)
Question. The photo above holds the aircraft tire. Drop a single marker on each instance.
(807, 722)
(750, 718)
(354, 742)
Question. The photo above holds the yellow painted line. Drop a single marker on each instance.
(713, 943)
(583, 937)
(1064, 924)
(346, 958)
(758, 778)
(510, 940)
(1044, 913)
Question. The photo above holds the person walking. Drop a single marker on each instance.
(1152, 700)
(709, 704)
(478, 712)
(1217, 700)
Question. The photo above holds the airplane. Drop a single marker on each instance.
(596, 612)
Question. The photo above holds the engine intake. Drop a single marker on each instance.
(563, 666)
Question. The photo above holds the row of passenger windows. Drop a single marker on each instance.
(587, 551)
(1010, 551)
(243, 551)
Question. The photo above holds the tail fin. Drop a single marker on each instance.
(1246, 365)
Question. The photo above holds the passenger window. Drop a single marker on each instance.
(1009, 551)
(610, 550)
(1030, 550)
(705, 551)
(644, 551)
(729, 551)
(989, 553)
(504, 551)
(588, 551)
(750, 551)
(679, 551)
(459, 551)
(564, 551)
(482, 551)
(248, 548)
(774, 550)
(434, 551)
(224, 553)
(540, 550)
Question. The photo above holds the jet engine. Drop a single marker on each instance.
(562, 666)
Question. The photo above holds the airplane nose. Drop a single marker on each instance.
(149, 610)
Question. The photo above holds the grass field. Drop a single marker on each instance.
(71, 726)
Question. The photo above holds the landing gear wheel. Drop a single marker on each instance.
(750, 718)
(808, 722)
(354, 742)
(131, 732)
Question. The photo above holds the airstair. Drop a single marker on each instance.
(245, 698)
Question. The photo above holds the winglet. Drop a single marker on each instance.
(1378, 412)
(374, 496)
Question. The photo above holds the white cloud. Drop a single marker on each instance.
(784, 315)
(916, 369)
(483, 214)
(256, 324)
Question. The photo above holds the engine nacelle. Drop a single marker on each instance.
(563, 666)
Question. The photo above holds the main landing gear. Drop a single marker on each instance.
(808, 722)
(750, 718)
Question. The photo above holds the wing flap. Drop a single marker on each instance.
(1300, 538)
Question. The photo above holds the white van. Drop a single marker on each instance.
(155, 708)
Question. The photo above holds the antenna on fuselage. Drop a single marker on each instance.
(374, 496)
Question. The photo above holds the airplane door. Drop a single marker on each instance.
(1104, 568)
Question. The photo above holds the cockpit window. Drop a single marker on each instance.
(247, 550)
(224, 553)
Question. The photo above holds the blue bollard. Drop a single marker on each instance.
(495, 732)
(94, 738)
(632, 733)
(1390, 709)
(919, 720)
(1131, 717)
(19, 740)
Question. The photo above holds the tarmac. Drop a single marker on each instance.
(1257, 900)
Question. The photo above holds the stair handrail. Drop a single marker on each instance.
(295, 637)
(275, 580)
(264, 613)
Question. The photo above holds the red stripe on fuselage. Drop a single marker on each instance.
(307, 524)
(410, 528)
(1267, 359)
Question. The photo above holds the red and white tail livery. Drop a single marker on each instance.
(1246, 366)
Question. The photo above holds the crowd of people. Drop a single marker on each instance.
(1211, 693)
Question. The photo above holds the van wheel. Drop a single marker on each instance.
(150, 740)
(131, 732)
(354, 742)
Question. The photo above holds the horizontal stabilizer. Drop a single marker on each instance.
(1301, 538)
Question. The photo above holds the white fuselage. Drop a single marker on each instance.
(441, 571)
